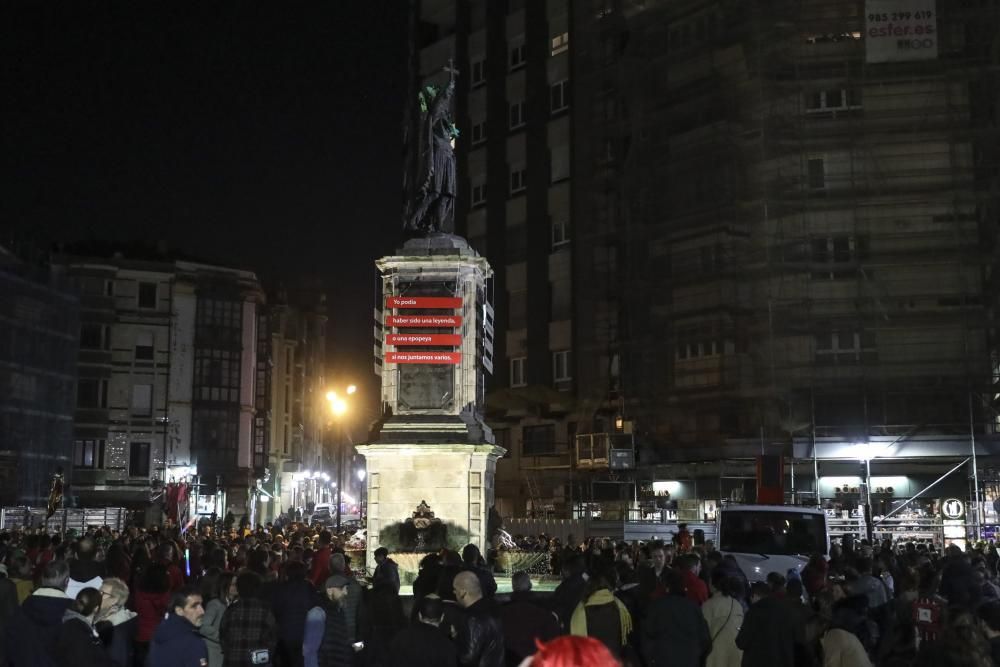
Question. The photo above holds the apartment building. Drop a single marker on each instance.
(725, 228)
(165, 392)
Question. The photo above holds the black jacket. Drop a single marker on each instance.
(567, 595)
(480, 640)
(769, 634)
(34, 628)
(291, 602)
(675, 633)
(78, 646)
(422, 645)
(523, 621)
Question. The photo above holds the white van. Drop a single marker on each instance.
(771, 538)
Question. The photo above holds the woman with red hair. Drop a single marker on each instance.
(571, 651)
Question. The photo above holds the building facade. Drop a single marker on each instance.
(39, 337)
(166, 390)
(722, 229)
(299, 413)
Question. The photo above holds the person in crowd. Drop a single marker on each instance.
(814, 575)
(601, 615)
(248, 633)
(386, 570)
(689, 566)
(989, 617)
(167, 557)
(524, 621)
(381, 621)
(85, 571)
(152, 600)
(8, 605)
(570, 590)
(572, 651)
(218, 591)
(769, 633)
(424, 643)
(682, 540)
(291, 602)
(115, 623)
(724, 615)
(841, 645)
(674, 631)
(326, 642)
(472, 561)
(355, 598)
(321, 560)
(481, 641)
(20, 574)
(78, 644)
(31, 634)
(652, 576)
(176, 642)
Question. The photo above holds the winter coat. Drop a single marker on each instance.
(674, 633)
(85, 574)
(117, 632)
(291, 603)
(769, 634)
(724, 616)
(34, 629)
(387, 572)
(480, 644)
(422, 645)
(151, 607)
(209, 630)
(177, 643)
(78, 645)
(523, 621)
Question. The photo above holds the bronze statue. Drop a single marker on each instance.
(431, 207)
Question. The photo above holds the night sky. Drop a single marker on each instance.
(260, 135)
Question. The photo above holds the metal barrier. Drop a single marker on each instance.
(78, 519)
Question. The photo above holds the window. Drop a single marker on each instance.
(559, 96)
(560, 43)
(518, 180)
(837, 250)
(837, 99)
(517, 368)
(138, 459)
(147, 295)
(516, 115)
(478, 73)
(561, 371)
(560, 233)
(92, 394)
(699, 349)
(88, 454)
(216, 374)
(142, 400)
(144, 346)
(92, 336)
(538, 440)
(479, 194)
(286, 444)
(845, 347)
(559, 164)
(517, 56)
(479, 133)
(817, 173)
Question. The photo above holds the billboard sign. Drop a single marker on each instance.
(900, 30)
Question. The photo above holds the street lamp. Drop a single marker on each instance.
(338, 408)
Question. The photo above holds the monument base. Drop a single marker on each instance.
(420, 495)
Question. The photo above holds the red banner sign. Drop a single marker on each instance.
(423, 357)
(423, 302)
(423, 339)
(423, 320)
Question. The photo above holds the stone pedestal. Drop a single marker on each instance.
(432, 445)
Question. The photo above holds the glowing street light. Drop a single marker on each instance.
(351, 389)
(361, 474)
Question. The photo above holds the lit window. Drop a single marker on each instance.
(560, 43)
(517, 375)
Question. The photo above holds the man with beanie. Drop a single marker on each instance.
(326, 640)
(424, 643)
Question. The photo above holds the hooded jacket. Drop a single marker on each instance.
(117, 631)
(34, 629)
(177, 644)
(84, 574)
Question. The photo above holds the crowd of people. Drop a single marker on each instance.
(289, 597)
